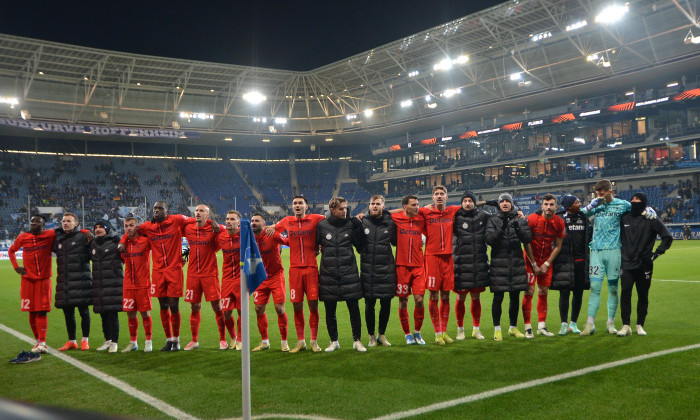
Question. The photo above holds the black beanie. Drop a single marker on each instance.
(642, 197)
(567, 201)
(470, 195)
(105, 224)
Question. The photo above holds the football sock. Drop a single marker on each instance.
(476, 312)
(313, 323)
(41, 326)
(220, 325)
(133, 328)
(527, 309)
(460, 309)
(175, 320)
(238, 326)
(195, 319)
(165, 320)
(282, 322)
(434, 311)
(148, 327)
(300, 324)
(403, 317)
(231, 326)
(445, 314)
(418, 316)
(262, 326)
(594, 298)
(32, 323)
(613, 298)
(541, 308)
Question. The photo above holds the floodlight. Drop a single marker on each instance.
(351, 116)
(266, 140)
(228, 139)
(329, 139)
(444, 64)
(691, 39)
(451, 92)
(515, 76)
(461, 59)
(254, 97)
(414, 73)
(297, 140)
(406, 103)
(8, 100)
(25, 114)
(576, 25)
(368, 112)
(281, 121)
(428, 98)
(611, 14)
(672, 84)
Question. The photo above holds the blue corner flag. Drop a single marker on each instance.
(251, 261)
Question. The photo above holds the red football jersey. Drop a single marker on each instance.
(544, 232)
(409, 240)
(231, 249)
(36, 255)
(203, 247)
(269, 247)
(166, 241)
(302, 238)
(137, 262)
(438, 229)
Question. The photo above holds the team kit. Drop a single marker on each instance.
(403, 252)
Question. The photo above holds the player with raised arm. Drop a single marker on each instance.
(229, 241)
(269, 247)
(303, 268)
(137, 284)
(35, 286)
(410, 276)
(203, 275)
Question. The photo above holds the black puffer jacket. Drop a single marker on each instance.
(107, 274)
(578, 229)
(469, 249)
(338, 278)
(73, 278)
(377, 264)
(507, 264)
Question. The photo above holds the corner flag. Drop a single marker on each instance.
(251, 261)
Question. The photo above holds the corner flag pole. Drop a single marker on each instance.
(245, 341)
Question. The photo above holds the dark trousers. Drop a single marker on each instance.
(513, 308)
(384, 312)
(110, 325)
(332, 320)
(580, 268)
(69, 315)
(642, 279)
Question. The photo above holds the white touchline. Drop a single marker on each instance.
(120, 385)
(529, 384)
(677, 281)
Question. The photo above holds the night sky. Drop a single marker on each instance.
(289, 35)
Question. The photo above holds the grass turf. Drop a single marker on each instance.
(346, 384)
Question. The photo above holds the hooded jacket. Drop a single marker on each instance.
(377, 265)
(471, 264)
(338, 278)
(107, 274)
(638, 235)
(507, 263)
(574, 246)
(73, 277)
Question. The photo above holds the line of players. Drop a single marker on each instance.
(524, 254)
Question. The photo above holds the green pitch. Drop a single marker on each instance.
(206, 383)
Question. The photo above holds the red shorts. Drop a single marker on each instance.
(231, 294)
(467, 291)
(136, 300)
(439, 272)
(273, 285)
(303, 280)
(542, 280)
(167, 283)
(409, 279)
(209, 285)
(35, 295)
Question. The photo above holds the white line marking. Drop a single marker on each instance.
(678, 281)
(287, 416)
(120, 385)
(529, 384)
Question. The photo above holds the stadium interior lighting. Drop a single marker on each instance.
(576, 25)
(329, 139)
(175, 124)
(672, 84)
(25, 114)
(297, 140)
(461, 59)
(691, 39)
(580, 140)
(428, 98)
(451, 92)
(254, 97)
(138, 83)
(228, 139)
(9, 100)
(516, 76)
(413, 73)
(431, 105)
(524, 83)
(281, 121)
(41, 73)
(266, 140)
(406, 103)
(630, 93)
(351, 116)
(196, 116)
(541, 36)
(444, 64)
(612, 13)
(260, 119)
(368, 112)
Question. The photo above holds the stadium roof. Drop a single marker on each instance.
(503, 59)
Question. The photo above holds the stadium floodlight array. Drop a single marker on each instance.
(196, 116)
(451, 92)
(260, 119)
(612, 13)
(516, 76)
(413, 73)
(368, 112)
(9, 100)
(351, 116)
(406, 103)
(446, 63)
(576, 25)
(254, 97)
(691, 39)
(541, 36)
(280, 121)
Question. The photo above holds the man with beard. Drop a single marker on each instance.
(229, 241)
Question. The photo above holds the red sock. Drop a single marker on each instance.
(403, 317)
(165, 320)
(238, 327)
(460, 309)
(282, 322)
(445, 314)
(41, 325)
(541, 308)
(434, 310)
(175, 320)
(527, 309)
(230, 326)
(418, 316)
(32, 324)
(148, 327)
(195, 319)
(220, 324)
(133, 328)
(476, 312)
(299, 323)
(262, 326)
(313, 324)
